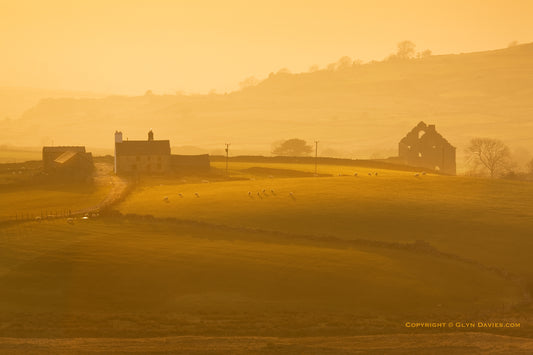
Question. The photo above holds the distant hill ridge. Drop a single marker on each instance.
(357, 112)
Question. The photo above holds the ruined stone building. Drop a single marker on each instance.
(153, 157)
(67, 160)
(424, 147)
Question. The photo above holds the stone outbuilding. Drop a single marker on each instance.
(71, 161)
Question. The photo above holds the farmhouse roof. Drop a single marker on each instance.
(160, 147)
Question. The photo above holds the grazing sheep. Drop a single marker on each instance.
(417, 174)
(423, 173)
(376, 173)
(369, 174)
(354, 174)
(165, 198)
(196, 194)
(180, 195)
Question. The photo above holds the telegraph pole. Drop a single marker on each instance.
(316, 157)
(227, 156)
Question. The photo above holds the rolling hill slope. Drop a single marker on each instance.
(355, 112)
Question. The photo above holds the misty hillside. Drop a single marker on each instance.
(359, 111)
(14, 101)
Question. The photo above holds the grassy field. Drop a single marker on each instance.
(132, 277)
(489, 221)
(23, 195)
(18, 155)
(272, 253)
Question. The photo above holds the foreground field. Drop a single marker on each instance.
(143, 278)
(457, 343)
(275, 260)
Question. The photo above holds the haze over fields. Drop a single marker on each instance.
(355, 110)
(85, 52)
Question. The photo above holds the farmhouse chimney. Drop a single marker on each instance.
(118, 137)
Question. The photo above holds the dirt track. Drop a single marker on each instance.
(104, 176)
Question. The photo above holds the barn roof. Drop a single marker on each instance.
(61, 149)
(161, 147)
(66, 156)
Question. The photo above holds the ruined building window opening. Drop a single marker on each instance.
(409, 147)
(421, 133)
(420, 154)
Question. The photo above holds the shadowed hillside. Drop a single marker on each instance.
(359, 111)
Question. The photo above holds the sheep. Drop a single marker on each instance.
(272, 192)
(196, 194)
(165, 198)
(376, 173)
(417, 175)
(423, 173)
(354, 174)
(180, 195)
(369, 174)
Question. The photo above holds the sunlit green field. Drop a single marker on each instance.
(271, 253)
(484, 220)
(31, 202)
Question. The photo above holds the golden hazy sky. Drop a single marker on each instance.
(130, 46)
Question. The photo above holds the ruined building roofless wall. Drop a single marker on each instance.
(424, 147)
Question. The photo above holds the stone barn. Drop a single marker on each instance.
(424, 147)
(153, 157)
(68, 160)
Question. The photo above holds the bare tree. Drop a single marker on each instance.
(489, 154)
